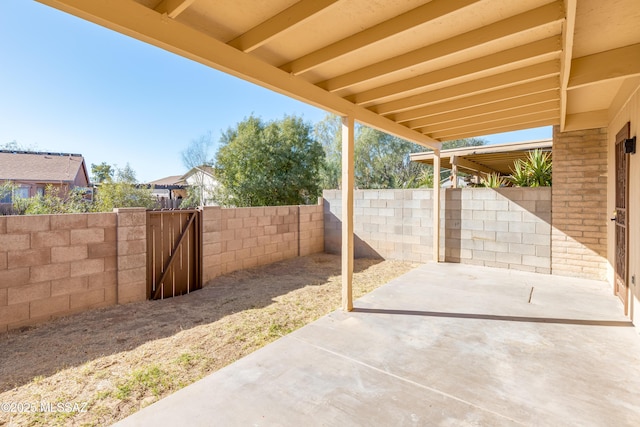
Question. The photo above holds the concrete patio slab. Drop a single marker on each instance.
(445, 345)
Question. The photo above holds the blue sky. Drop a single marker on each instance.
(68, 85)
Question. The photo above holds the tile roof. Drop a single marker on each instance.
(39, 166)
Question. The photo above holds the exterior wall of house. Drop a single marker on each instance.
(629, 111)
(508, 228)
(579, 204)
(206, 182)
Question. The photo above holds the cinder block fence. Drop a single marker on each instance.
(56, 265)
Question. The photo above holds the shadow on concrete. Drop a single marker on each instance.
(495, 317)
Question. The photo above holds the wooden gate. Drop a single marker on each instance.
(621, 217)
(174, 251)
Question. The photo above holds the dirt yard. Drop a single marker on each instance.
(100, 366)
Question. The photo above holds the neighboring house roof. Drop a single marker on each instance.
(207, 170)
(41, 166)
(169, 180)
(485, 158)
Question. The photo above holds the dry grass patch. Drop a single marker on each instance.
(120, 359)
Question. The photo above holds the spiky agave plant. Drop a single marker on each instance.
(535, 171)
(494, 180)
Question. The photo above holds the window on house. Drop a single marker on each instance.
(21, 192)
(40, 191)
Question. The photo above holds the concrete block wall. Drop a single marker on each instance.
(504, 228)
(390, 224)
(132, 254)
(311, 236)
(239, 238)
(580, 220)
(55, 265)
(507, 228)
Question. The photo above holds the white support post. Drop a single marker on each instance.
(436, 205)
(348, 166)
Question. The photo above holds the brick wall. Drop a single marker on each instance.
(499, 228)
(579, 234)
(55, 265)
(240, 238)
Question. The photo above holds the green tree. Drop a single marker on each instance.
(328, 133)
(269, 164)
(54, 201)
(122, 192)
(381, 160)
(101, 173)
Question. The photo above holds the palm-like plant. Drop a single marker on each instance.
(494, 180)
(535, 171)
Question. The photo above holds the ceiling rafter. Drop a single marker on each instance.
(481, 110)
(136, 20)
(470, 165)
(418, 16)
(173, 8)
(283, 21)
(512, 92)
(508, 125)
(489, 117)
(542, 16)
(611, 64)
(485, 84)
(540, 48)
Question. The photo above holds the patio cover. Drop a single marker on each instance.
(427, 71)
(484, 159)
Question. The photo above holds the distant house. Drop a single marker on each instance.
(31, 172)
(174, 188)
(169, 191)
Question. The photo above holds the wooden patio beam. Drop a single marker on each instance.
(173, 8)
(611, 64)
(546, 49)
(491, 117)
(550, 14)
(517, 125)
(549, 84)
(418, 16)
(470, 165)
(436, 205)
(486, 84)
(283, 21)
(483, 110)
(348, 180)
(587, 120)
(568, 31)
